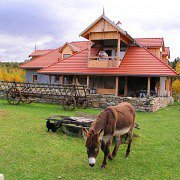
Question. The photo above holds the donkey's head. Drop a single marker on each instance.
(92, 144)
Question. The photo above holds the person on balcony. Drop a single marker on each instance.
(103, 55)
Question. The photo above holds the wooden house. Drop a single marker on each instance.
(44, 58)
(113, 62)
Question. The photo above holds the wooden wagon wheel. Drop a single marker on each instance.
(85, 104)
(13, 96)
(69, 103)
(79, 102)
(82, 103)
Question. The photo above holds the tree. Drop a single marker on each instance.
(11, 72)
(176, 83)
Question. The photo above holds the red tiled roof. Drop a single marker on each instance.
(81, 44)
(43, 61)
(75, 46)
(40, 52)
(51, 57)
(150, 42)
(137, 61)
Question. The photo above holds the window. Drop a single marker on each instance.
(111, 52)
(34, 78)
(122, 53)
(56, 79)
(66, 55)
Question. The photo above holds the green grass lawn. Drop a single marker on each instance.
(28, 151)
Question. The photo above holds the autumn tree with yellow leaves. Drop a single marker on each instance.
(11, 72)
(176, 82)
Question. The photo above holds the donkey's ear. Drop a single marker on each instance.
(85, 131)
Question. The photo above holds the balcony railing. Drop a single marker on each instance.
(103, 58)
(104, 62)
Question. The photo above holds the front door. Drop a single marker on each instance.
(121, 86)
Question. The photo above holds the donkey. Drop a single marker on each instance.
(114, 121)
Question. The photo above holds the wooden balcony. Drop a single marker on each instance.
(105, 62)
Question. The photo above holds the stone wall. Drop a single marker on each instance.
(2, 95)
(150, 104)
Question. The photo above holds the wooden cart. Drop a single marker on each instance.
(69, 95)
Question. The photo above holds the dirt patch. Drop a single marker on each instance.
(2, 113)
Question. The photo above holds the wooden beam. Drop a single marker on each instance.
(148, 86)
(118, 46)
(89, 46)
(87, 81)
(62, 80)
(167, 86)
(157, 87)
(126, 86)
(50, 79)
(117, 82)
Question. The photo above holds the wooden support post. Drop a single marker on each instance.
(167, 86)
(126, 86)
(157, 87)
(50, 79)
(87, 81)
(62, 80)
(117, 82)
(118, 46)
(149, 86)
(89, 47)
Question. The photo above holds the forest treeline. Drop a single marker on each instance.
(10, 71)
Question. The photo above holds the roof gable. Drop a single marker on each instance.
(75, 46)
(103, 24)
(70, 47)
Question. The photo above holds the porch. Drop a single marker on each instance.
(123, 86)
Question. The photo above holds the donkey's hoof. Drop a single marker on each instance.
(103, 166)
(110, 157)
(126, 156)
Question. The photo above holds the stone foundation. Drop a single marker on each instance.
(150, 104)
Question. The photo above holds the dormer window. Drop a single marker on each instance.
(107, 42)
(66, 55)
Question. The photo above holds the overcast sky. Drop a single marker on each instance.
(51, 23)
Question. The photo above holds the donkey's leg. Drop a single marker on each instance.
(103, 145)
(106, 153)
(116, 147)
(129, 144)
